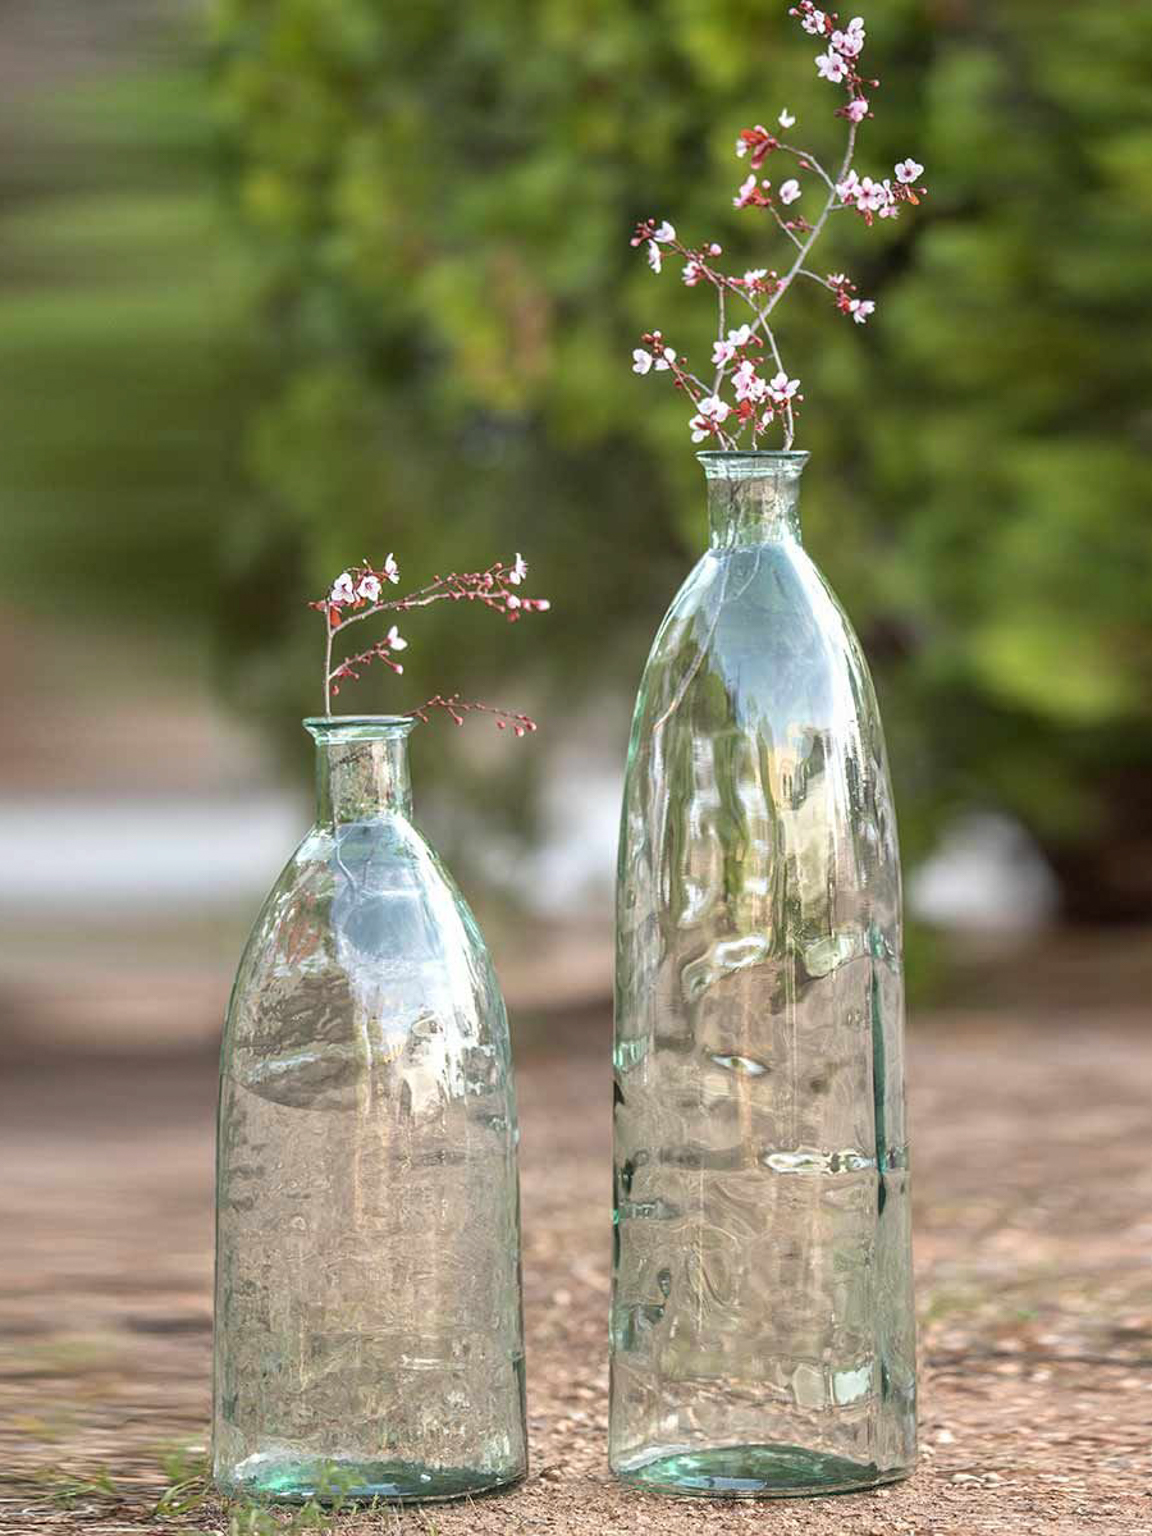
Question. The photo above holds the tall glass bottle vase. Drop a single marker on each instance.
(368, 1312)
(762, 1328)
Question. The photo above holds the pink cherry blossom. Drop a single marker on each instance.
(701, 428)
(747, 193)
(642, 360)
(665, 233)
(860, 309)
(369, 588)
(790, 191)
(741, 336)
(830, 66)
(746, 383)
(856, 110)
(391, 570)
(395, 639)
(518, 570)
(693, 273)
(655, 260)
(754, 275)
(908, 171)
(713, 407)
(850, 42)
(813, 22)
(722, 352)
(664, 359)
(783, 388)
(870, 195)
(342, 590)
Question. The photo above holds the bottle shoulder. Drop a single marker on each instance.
(756, 638)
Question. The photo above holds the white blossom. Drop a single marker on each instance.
(519, 570)
(665, 233)
(783, 388)
(722, 352)
(391, 569)
(746, 383)
(642, 360)
(755, 275)
(870, 196)
(655, 259)
(786, 119)
(714, 408)
(746, 192)
(665, 359)
(790, 191)
(908, 171)
(813, 22)
(740, 337)
(860, 309)
(830, 66)
(856, 110)
(369, 588)
(342, 589)
(395, 640)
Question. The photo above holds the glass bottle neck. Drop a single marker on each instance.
(753, 498)
(361, 770)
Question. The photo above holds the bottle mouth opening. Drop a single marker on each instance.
(359, 727)
(749, 463)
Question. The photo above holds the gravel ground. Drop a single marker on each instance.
(1033, 1231)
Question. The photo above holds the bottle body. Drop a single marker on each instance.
(762, 1326)
(368, 1313)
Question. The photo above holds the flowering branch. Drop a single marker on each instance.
(457, 707)
(757, 401)
(358, 594)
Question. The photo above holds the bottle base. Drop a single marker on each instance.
(753, 1472)
(333, 1481)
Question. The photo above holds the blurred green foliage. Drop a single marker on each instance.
(441, 198)
(415, 336)
(118, 386)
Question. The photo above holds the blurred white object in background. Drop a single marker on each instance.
(62, 854)
(986, 875)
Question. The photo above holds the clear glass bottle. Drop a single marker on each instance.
(369, 1340)
(763, 1337)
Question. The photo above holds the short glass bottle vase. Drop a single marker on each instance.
(369, 1341)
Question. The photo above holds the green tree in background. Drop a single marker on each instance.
(442, 197)
(407, 323)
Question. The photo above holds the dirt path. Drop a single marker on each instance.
(1033, 1228)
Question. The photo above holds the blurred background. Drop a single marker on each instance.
(286, 283)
